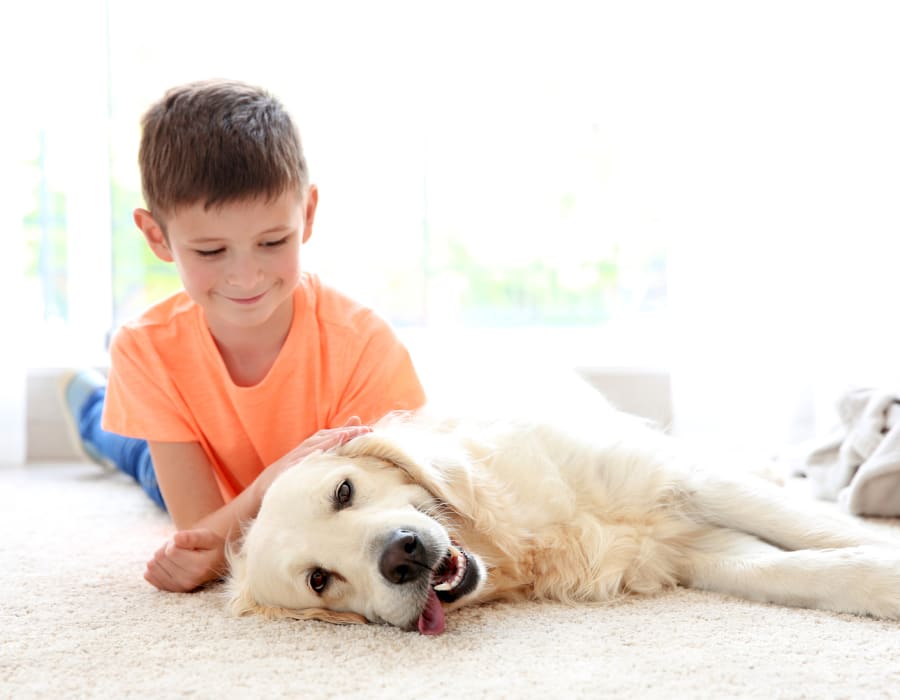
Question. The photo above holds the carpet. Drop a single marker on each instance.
(77, 620)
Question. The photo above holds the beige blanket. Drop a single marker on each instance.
(858, 463)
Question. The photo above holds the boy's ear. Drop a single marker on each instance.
(312, 201)
(153, 232)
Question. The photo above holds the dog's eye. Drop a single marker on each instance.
(318, 580)
(343, 495)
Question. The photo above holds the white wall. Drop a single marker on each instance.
(786, 225)
(12, 290)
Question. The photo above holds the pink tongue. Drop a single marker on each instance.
(432, 619)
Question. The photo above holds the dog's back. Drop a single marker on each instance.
(557, 512)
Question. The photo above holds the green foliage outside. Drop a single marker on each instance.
(535, 293)
(139, 277)
(46, 250)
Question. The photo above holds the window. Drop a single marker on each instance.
(478, 175)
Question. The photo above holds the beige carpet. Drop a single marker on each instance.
(77, 620)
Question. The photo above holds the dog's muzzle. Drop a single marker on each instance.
(405, 559)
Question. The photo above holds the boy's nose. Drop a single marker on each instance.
(243, 272)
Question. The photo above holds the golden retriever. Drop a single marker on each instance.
(424, 515)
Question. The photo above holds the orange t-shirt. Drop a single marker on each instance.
(168, 382)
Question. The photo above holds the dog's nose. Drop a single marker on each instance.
(403, 559)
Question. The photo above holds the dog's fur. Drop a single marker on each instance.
(540, 511)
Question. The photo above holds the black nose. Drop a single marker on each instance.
(404, 558)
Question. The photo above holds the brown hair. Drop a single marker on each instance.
(218, 141)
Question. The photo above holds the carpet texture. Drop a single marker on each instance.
(77, 620)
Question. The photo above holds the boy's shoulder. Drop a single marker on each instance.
(173, 309)
(334, 309)
(167, 317)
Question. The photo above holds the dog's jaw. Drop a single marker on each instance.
(458, 574)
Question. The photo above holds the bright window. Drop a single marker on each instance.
(473, 174)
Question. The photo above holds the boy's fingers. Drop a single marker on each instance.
(150, 578)
(186, 539)
(164, 578)
(157, 574)
(174, 565)
(355, 432)
(195, 539)
(159, 578)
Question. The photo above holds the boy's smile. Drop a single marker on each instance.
(249, 300)
(239, 261)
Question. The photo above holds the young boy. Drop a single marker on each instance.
(254, 364)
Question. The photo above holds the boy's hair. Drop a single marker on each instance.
(218, 141)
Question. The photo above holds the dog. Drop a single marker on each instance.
(427, 514)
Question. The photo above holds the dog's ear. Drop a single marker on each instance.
(441, 469)
(240, 601)
(335, 617)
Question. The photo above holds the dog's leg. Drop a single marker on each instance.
(758, 507)
(861, 580)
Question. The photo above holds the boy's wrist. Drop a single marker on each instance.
(257, 491)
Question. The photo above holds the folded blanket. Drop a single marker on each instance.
(858, 463)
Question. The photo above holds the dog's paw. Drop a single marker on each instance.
(868, 583)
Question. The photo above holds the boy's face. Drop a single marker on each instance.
(239, 261)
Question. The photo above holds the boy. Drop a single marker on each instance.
(252, 365)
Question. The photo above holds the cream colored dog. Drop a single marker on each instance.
(423, 516)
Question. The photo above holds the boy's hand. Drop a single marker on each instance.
(190, 559)
(326, 439)
(322, 440)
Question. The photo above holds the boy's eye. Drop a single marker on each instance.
(210, 253)
(274, 244)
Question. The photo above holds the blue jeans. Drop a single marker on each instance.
(130, 455)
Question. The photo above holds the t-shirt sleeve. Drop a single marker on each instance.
(382, 378)
(141, 400)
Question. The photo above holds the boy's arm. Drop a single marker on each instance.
(186, 481)
(196, 553)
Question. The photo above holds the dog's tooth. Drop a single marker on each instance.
(461, 564)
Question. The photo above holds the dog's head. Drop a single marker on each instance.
(360, 533)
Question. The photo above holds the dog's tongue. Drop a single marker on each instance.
(431, 621)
